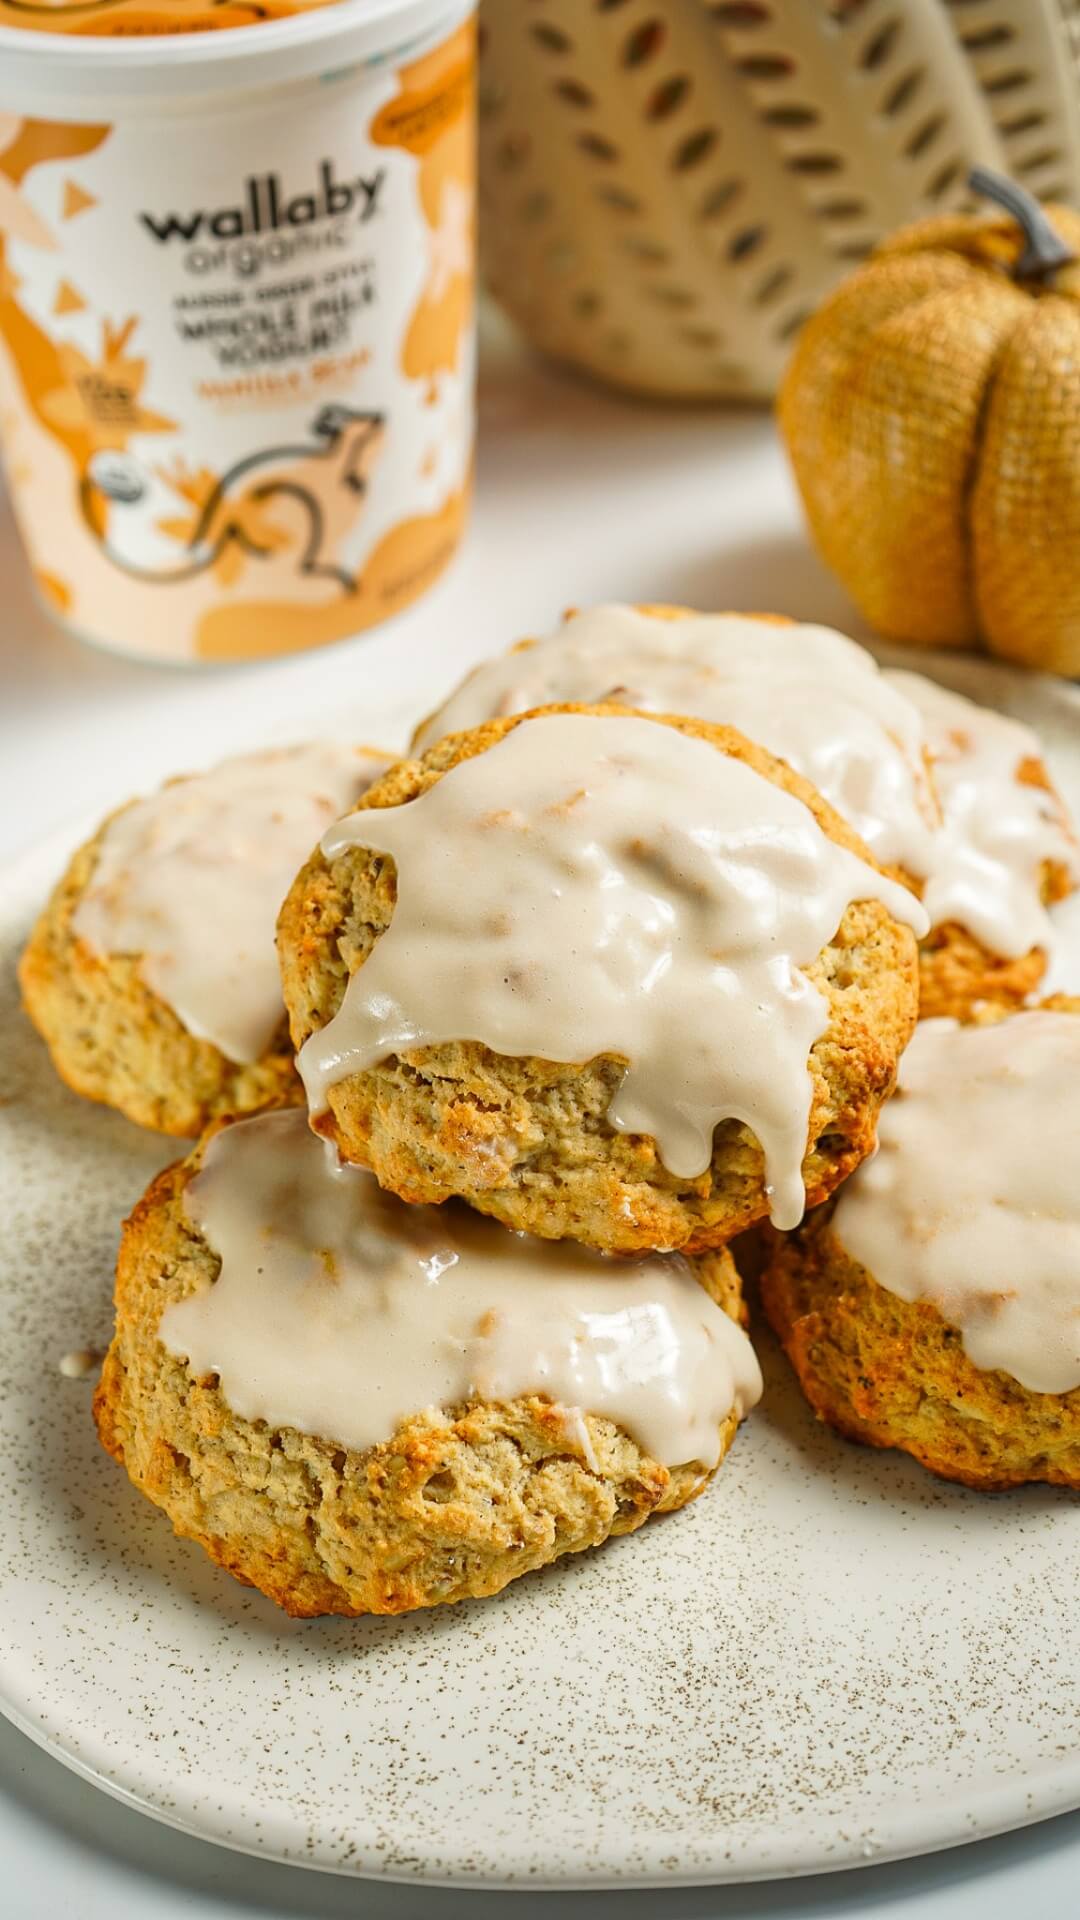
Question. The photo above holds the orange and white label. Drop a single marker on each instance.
(236, 358)
(120, 18)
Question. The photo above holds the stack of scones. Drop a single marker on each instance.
(624, 961)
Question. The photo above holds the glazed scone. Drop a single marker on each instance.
(805, 693)
(636, 983)
(151, 973)
(952, 797)
(1005, 852)
(935, 1305)
(360, 1407)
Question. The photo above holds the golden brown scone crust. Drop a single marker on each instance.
(957, 974)
(893, 1373)
(113, 1040)
(527, 1140)
(449, 1508)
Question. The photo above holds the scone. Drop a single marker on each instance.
(805, 693)
(935, 1306)
(360, 1407)
(614, 976)
(950, 796)
(1005, 852)
(151, 973)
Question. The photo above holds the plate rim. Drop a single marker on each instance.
(907, 1830)
(1006, 1817)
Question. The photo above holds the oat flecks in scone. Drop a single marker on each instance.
(450, 1507)
(113, 1040)
(526, 1139)
(891, 1372)
(957, 974)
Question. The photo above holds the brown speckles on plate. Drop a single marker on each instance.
(830, 1657)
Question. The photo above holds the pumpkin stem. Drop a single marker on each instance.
(1044, 249)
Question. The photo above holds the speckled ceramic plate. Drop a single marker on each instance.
(830, 1658)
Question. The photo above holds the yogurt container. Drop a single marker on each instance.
(140, 17)
(236, 314)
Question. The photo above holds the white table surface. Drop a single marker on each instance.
(581, 497)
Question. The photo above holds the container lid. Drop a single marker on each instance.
(84, 77)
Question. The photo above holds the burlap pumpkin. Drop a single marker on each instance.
(932, 414)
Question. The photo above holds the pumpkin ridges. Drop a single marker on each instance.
(818, 409)
(949, 367)
(872, 459)
(1026, 503)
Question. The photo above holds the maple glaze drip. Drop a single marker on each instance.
(973, 1199)
(191, 879)
(998, 831)
(609, 885)
(340, 1312)
(808, 694)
